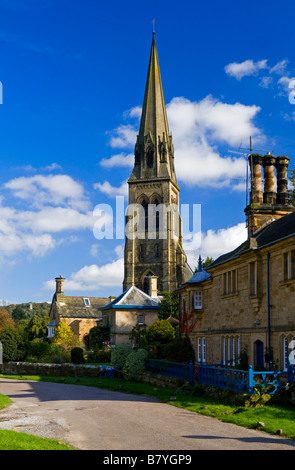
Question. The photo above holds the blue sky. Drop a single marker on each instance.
(73, 75)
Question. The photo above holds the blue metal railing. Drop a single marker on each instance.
(171, 369)
(238, 380)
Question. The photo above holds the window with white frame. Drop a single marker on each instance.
(198, 299)
(140, 319)
(230, 350)
(86, 302)
(289, 265)
(201, 349)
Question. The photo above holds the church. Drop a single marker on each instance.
(154, 259)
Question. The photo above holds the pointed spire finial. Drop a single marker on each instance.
(153, 26)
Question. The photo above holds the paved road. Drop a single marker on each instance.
(96, 419)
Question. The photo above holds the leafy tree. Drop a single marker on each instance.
(6, 319)
(65, 339)
(13, 344)
(158, 334)
(97, 335)
(37, 327)
(137, 336)
(169, 306)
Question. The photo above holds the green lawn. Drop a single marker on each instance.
(275, 418)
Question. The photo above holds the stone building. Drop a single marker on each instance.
(130, 309)
(81, 313)
(245, 299)
(153, 245)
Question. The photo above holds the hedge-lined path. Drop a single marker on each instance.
(94, 419)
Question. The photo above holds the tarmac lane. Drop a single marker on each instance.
(89, 418)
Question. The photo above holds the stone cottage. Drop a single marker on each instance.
(81, 313)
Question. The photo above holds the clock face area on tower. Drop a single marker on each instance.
(154, 259)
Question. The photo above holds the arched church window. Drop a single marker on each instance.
(145, 206)
(150, 157)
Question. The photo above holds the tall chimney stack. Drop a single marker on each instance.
(59, 285)
(269, 164)
(282, 179)
(256, 196)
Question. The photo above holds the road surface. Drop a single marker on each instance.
(95, 419)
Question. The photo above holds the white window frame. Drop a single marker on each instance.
(198, 300)
(86, 302)
(140, 320)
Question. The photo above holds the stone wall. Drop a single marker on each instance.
(49, 370)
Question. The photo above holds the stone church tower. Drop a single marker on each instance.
(154, 260)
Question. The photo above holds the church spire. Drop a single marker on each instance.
(154, 117)
(154, 153)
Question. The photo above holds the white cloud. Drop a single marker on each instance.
(112, 191)
(49, 189)
(246, 68)
(51, 207)
(214, 243)
(280, 67)
(123, 136)
(119, 160)
(198, 127)
(93, 277)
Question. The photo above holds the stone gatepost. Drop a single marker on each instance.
(1, 353)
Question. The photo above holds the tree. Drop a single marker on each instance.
(158, 334)
(37, 327)
(64, 338)
(6, 319)
(169, 306)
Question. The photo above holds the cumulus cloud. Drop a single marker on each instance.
(48, 189)
(214, 243)
(51, 208)
(198, 128)
(246, 68)
(112, 191)
(94, 277)
(123, 136)
(119, 160)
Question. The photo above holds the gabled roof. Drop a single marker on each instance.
(269, 234)
(133, 298)
(75, 307)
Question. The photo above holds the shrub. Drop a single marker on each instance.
(98, 335)
(158, 334)
(119, 355)
(77, 356)
(180, 350)
(134, 365)
(13, 345)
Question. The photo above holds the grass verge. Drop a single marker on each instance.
(275, 418)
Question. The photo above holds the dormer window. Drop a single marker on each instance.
(86, 302)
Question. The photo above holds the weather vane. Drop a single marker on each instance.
(153, 25)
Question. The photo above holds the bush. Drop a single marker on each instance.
(77, 356)
(100, 355)
(13, 344)
(158, 334)
(98, 335)
(119, 355)
(180, 350)
(134, 365)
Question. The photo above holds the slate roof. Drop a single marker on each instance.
(133, 298)
(200, 275)
(74, 307)
(271, 233)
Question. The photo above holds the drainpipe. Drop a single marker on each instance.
(268, 313)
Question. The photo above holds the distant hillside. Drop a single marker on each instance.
(28, 310)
